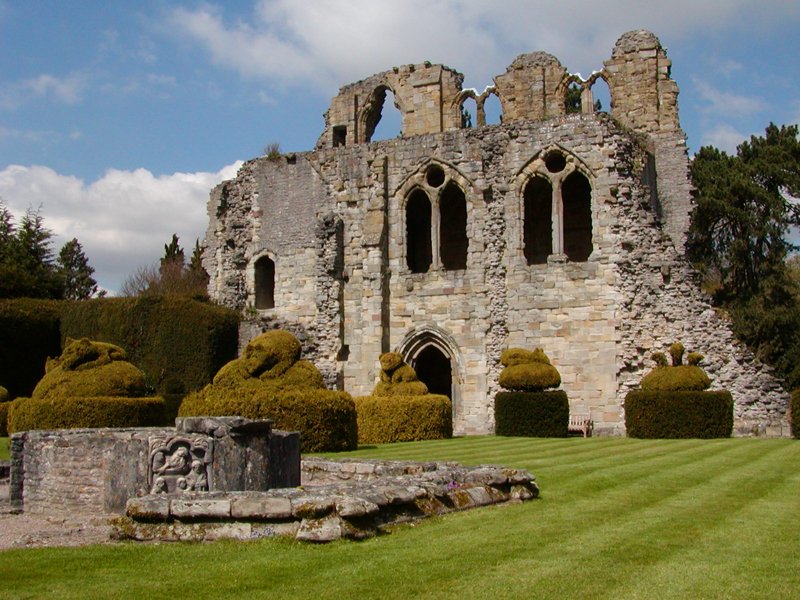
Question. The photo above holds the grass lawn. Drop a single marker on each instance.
(618, 518)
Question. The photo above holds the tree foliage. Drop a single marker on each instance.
(172, 277)
(76, 272)
(745, 207)
(27, 264)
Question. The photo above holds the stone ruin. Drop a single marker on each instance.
(552, 229)
(229, 477)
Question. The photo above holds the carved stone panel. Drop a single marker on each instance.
(180, 463)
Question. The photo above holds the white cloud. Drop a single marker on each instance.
(726, 103)
(66, 89)
(338, 41)
(723, 136)
(123, 219)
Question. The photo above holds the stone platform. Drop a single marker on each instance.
(353, 499)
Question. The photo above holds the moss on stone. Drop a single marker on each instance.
(528, 371)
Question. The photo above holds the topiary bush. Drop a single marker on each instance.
(678, 414)
(527, 371)
(794, 413)
(400, 408)
(673, 401)
(403, 418)
(89, 385)
(527, 409)
(71, 412)
(87, 368)
(269, 381)
(531, 414)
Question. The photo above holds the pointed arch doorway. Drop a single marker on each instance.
(434, 370)
(433, 353)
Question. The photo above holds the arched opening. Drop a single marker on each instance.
(601, 95)
(576, 196)
(538, 224)
(418, 232)
(265, 283)
(493, 110)
(469, 113)
(384, 121)
(434, 370)
(572, 99)
(453, 242)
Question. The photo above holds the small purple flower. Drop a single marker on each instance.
(453, 485)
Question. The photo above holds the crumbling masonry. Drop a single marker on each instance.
(448, 244)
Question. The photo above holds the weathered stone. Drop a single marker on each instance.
(148, 508)
(335, 222)
(183, 507)
(260, 507)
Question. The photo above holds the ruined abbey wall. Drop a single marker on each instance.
(432, 241)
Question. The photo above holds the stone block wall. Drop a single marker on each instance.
(98, 470)
(335, 222)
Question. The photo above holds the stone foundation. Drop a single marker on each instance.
(353, 499)
(98, 470)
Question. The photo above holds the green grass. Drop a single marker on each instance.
(618, 518)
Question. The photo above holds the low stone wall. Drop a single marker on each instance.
(353, 499)
(98, 470)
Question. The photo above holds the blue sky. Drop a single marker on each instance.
(117, 117)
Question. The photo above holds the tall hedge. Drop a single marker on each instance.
(29, 334)
(794, 413)
(179, 343)
(678, 414)
(532, 414)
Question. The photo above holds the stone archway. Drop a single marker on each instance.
(434, 369)
(433, 353)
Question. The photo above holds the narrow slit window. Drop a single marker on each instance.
(418, 232)
(265, 283)
(576, 195)
(453, 241)
(538, 221)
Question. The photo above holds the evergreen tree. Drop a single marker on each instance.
(745, 206)
(76, 272)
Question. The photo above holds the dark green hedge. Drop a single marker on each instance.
(179, 343)
(382, 420)
(678, 414)
(4, 418)
(531, 414)
(326, 419)
(794, 413)
(68, 413)
(29, 334)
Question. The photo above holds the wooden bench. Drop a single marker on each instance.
(580, 423)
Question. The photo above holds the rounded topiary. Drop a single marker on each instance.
(527, 371)
(269, 381)
(674, 401)
(4, 396)
(90, 385)
(398, 378)
(90, 369)
(678, 377)
(400, 408)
